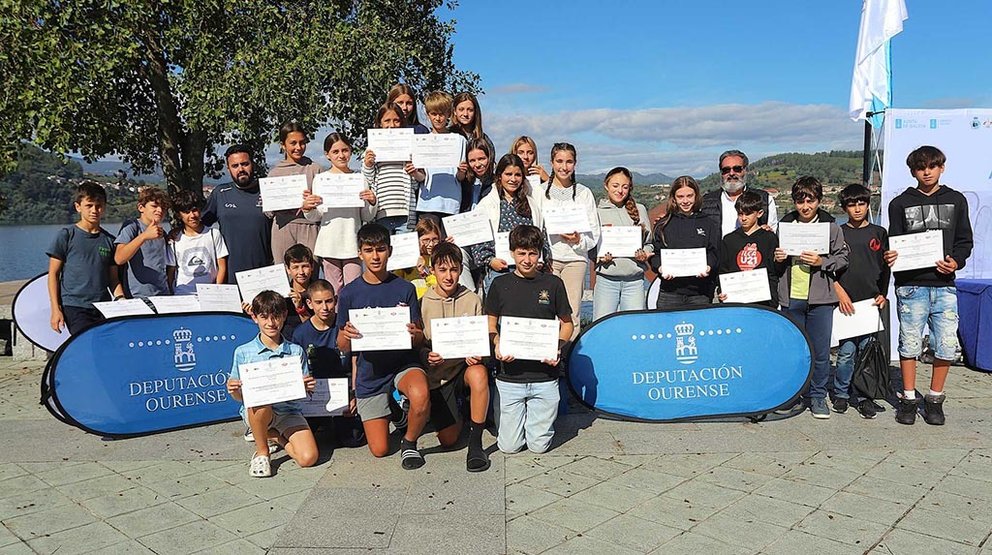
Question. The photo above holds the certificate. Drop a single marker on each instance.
(468, 228)
(746, 287)
(528, 338)
(339, 190)
(460, 337)
(329, 398)
(437, 150)
(221, 298)
(267, 278)
(382, 329)
(271, 381)
(123, 307)
(917, 250)
(502, 243)
(172, 304)
(406, 251)
(795, 238)
(568, 218)
(682, 262)
(282, 193)
(391, 145)
(621, 241)
(866, 319)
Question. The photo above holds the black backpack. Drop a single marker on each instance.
(871, 371)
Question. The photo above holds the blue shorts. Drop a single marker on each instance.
(934, 307)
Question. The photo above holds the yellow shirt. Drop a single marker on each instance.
(799, 280)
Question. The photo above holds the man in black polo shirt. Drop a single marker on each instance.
(237, 207)
(719, 205)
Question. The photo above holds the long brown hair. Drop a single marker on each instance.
(628, 202)
(399, 89)
(672, 208)
(520, 203)
(475, 129)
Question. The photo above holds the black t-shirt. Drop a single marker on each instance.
(246, 230)
(741, 252)
(542, 296)
(867, 274)
(321, 348)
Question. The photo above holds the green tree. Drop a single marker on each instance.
(162, 83)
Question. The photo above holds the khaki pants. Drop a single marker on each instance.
(574, 275)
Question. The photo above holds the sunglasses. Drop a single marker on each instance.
(727, 169)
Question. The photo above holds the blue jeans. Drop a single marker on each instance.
(395, 224)
(818, 321)
(612, 295)
(934, 307)
(847, 354)
(526, 415)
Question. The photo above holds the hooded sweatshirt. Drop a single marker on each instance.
(462, 303)
(288, 167)
(946, 210)
(623, 268)
(822, 277)
(688, 231)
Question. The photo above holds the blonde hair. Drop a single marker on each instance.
(438, 102)
(521, 140)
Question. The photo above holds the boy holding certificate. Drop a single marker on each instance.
(282, 421)
(750, 246)
(927, 296)
(448, 377)
(379, 371)
(527, 390)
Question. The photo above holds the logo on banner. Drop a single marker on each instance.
(685, 344)
(185, 356)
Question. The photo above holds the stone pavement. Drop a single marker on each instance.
(793, 486)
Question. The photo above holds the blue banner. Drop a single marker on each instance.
(734, 360)
(145, 374)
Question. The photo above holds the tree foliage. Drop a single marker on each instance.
(164, 83)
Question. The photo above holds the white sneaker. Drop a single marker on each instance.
(260, 467)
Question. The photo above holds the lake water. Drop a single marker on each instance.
(22, 249)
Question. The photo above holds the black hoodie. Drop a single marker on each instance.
(691, 231)
(946, 210)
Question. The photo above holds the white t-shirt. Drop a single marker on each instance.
(195, 258)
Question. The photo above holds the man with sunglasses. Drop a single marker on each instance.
(719, 205)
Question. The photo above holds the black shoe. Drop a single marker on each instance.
(933, 410)
(840, 405)
(906, 411)
(866, 409)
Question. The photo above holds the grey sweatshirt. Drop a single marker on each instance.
(623, 268)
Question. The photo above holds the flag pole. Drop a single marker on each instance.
(866, 166)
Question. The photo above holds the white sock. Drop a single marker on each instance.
(936, 393)
(910, 394)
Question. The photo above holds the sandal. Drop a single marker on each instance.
(260, 467)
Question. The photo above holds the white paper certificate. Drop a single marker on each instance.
(866, 319)
(123, 307)
(271, 278)
(620, 241)
(329, 398)
(382, 329)
(406, 251)
(391, 145)
(460, 337)
(746, 287)
(468, 228)
(271, 381)
(502, 243)
(339, 190)
(437, 150)
(917, 250)
(682, 262)
(172, 304)
(282, 193)
(795, 238)
(223, 297)
(559, 220)
(528, 338)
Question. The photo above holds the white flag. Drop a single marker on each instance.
(880, 21)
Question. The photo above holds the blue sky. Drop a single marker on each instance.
(666, 86)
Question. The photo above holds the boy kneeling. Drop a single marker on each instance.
(282, 422)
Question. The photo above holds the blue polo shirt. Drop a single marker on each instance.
(146, 275)
(256, 351)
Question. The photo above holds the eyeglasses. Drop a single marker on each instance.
(727, 169)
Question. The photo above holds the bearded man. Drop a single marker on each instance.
(719, 205)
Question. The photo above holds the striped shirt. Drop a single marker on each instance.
(393, 187)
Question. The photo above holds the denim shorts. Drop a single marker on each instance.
(934, 307)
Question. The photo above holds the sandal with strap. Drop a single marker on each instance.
(260, 467)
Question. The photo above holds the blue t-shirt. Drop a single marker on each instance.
(86, 258)
(376, 369)
(322, 351)
(246, 230)
(256, 351)
(146, 275)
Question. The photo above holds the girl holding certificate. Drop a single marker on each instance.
(620, 279)
(394, 183)
(290, 227)
(685, 227)
(570, 251)
(467, 119)
(403, 96)
(336, 243)
(479, 181)
(526, 149)
(508, 205)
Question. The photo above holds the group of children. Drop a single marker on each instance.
(542, 277)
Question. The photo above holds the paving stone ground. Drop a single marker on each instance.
(845, 485)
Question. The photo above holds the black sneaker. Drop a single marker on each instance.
(906, 411)
(840, 405)
(933, 409)
(867, 410)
